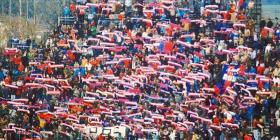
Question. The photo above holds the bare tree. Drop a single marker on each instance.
(19, 27)
(51, 11)
(40, 16)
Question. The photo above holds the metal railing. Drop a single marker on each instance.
(66, 20)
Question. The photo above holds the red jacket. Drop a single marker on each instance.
(247, 137)
(100, 137)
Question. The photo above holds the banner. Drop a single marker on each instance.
(94, 131)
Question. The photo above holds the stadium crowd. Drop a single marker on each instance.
(162, 70)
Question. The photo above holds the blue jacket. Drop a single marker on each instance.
(161, 47)
(66, 11)
(250, 112)
(2, 76)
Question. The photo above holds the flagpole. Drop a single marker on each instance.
(27, 9)
(252, 123)
(56, 135)
(20, 8)
(10, 9)
(2, 8)
(34, 10)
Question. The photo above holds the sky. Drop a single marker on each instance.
(271, 8)
(271, 2)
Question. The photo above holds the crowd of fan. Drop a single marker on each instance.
(186, 73)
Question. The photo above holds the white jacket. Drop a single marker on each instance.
(277, 113)
(128, 3)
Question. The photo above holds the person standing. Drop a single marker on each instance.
(101, 137)
(127, 6)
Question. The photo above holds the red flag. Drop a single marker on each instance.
(241, 3)
(216, 90)
(168, 47)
